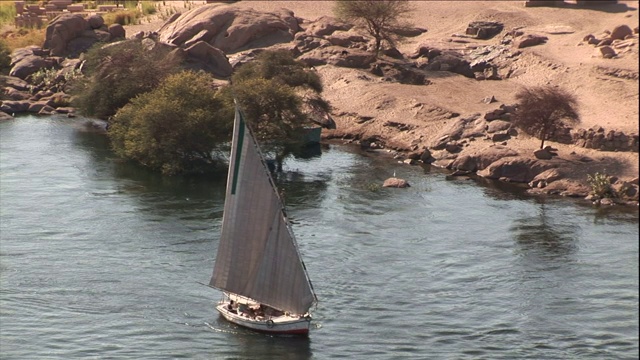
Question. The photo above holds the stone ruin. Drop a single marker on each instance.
(35, 16)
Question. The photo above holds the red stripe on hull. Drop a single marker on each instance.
(290, 332)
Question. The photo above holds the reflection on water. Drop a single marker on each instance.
(544, 237)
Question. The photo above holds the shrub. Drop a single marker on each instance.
(122, 17)
(180, 127)
(148, 8)
(52, 79)
(282, 67)
(7, 13)
(118, 73)
(5, 58)
(601, 185)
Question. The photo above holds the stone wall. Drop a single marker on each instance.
(599, 138)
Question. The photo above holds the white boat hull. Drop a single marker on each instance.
(275, 325)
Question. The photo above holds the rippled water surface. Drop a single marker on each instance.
(101, 260)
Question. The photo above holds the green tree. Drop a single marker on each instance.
(274, 111)
(279, 66)
(541, 110)
(117, 73)
(270, 90)
(180, 127)
(379, 17)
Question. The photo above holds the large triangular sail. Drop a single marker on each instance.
(257, 255)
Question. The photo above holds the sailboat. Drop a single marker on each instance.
(258, 265)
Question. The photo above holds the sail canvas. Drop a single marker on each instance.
(257, 254)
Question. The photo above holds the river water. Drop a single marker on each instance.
(101, 260)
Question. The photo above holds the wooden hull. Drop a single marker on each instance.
(280, 325)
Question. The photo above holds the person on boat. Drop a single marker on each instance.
(242, 308)
(231, 306)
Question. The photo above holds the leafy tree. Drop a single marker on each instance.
(542, 110)
(180, 127)
(270, 90)
(379, 17)
(118, 73)
(279, 66)
(275, 111)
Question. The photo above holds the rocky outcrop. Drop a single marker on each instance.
(209, 58)
(25, 63)
(67, 35)
(611, 44)
(484, 29)
(482, 159)
(514, 169)
(229, 28)
(326, 25)
(71, 34)
(338, 56)
(529, 40)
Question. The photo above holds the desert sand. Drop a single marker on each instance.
(565, 60)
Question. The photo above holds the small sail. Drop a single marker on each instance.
(257, 255)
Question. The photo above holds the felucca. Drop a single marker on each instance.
(258, 265)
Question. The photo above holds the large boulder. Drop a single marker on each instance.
(620, 32)
(95, 21)
(451, 62)
(229, 28)
(14, 82)
(117, 31)
(484, 29)
(515, 169)
(481, 159)
(29, 65)
(326, 25)
(210, 59)
(529, 40)
(338, 56)
(62, 30)
(12, 107)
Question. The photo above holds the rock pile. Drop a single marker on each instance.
(611, 44)
(598, 138)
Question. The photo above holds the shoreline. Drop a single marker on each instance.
(412, 120)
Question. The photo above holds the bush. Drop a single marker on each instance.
(7, 13)
(5, 57)
(601, 185)
(118, 73)
(180, 127)
(52, 79)
(148, 8)
(268, 90)
(282, 67)
(123, 17)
